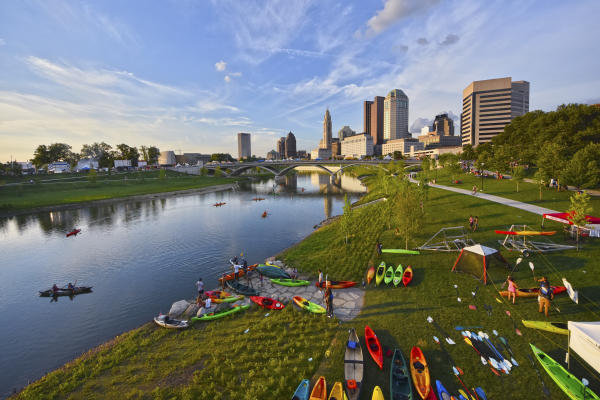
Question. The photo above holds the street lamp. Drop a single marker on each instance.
(482, 169)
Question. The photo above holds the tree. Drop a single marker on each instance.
(153, 154)
(583, 170)
(347, 218)
(41, 156)
(100, 152)
(517, 174)
(221, 157)
(580, 207)
(408, 214)
(468, 153)
(128, 153)
(60, 152)
(423, 190)
(218, 172)
(426, 165)
(551, 159)
(398, 155)
(144, 152)
(540, 178)
(92, 175)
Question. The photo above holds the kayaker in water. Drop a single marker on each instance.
(54, 289)
(546, 295)
(70, 286)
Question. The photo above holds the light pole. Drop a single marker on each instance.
(482, 169)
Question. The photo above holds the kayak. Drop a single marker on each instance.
(420, 372)
(241, 288)
(533, 292)
(479, 391)
(526, 233)
(219, 296)
(241, 272)
(219, 204)
(377, 394)
(303, 390)
(400, 251)
(400, 387)
(555, 327)
(73, 232)
(290, 282)
(308, 305)
(389, 274)
(211, 316)
(267, 302)
(432, 395)
(66, 292)
(374, 346)
(370, 274)
(272, 272)
(335, 284)
(166, 322)
(443, 394)
(407, 276)
(353, 366)
(337, 392)
(380, 273)
(319, 392)
(398, 275)
(563, 378)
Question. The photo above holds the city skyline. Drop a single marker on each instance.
(80, 73)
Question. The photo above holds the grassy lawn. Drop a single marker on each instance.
(57, 190)
(217, 360)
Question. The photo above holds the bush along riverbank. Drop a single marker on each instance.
(219, 360)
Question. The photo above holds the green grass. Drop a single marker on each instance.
(76, 189)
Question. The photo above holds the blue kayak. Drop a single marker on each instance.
(480, 393)
(302, 392)
(442, 392)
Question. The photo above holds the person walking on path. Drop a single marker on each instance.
(512, 288)
(474, 193)
(200, 286)
(471, 220)
(327, 297)
(546, 295)
(475, 223)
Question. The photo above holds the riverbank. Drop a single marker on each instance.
(282, 348)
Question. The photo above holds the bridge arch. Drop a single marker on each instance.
(283, 171)
(243, 168)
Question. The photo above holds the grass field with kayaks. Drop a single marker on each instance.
(273, 357)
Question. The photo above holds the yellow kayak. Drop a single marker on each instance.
(554, 327)
(337, 392)
(377, 394)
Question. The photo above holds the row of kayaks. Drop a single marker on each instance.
(388, 274)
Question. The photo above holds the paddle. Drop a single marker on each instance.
(452, 363)
(585, 383)
(512, 358)
(442, 332)
(457, 295)
(462, 328)
(532, 269)
(491, 346)
(475, 292)
(476, 342)
(460, 380)
(544, 387)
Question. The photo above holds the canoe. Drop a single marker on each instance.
(370, 274)
(211, 316)
(526, 233)
(271, 271)
(308, 305)
(389, 274)
(166, 322)
(303, 390)
(443, 394)
(374, 346)
(420, 372)
(377, 394)
(398, 275)
(242, 289)
(335, 284)
(400, 251)
(73, 232)
(230, 277)
(267, 302)
(319, 392)
(563, 378)
(66, 292)
(219, 296)
(337, 392)
(290, 282)
(533, 292)
(407, 276)
(353, 366)
(400, 387)
(379, 274)
(555, 327)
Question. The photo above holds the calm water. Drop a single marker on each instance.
(140, 257)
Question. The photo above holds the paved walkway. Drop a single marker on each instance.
(496, 199)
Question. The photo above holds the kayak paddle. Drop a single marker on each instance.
(462, 328)
(544, 387)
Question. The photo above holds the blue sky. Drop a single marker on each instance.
(188, 75)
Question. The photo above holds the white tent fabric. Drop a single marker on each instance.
(481, 250)
(584, 339)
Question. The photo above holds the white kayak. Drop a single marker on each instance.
(166, 322)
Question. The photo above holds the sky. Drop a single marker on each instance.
(188, 75)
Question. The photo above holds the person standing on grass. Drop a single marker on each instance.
(546, 295)
(471, 220)
(512, 288)
(475, 223)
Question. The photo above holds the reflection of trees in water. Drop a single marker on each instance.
(4, 224)
(133, 211)
(63, 221)
(328, 202)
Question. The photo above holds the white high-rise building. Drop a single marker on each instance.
(395, 116)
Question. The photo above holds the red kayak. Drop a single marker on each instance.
(336, 284)
(374, 346)
(267, 302)
(370, 275)
(533, 292)
(73, 232)
(407, 275)
(526, 233)
(229, 277)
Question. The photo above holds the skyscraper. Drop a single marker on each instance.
(366, 117)
(395, 116)
(490, 105)
(244, 150)
(442, 125)
(326, 141)
(376, 120)
(290, 145)
(281, 147)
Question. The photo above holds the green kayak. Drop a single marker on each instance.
(211, 316)
(272, 272)
(290, 282)
(379, 274)
(400, 387)
(563, 378)
(242, 289)
(389, 274)
(400, 251)
(308, 305)
(398, 275)
(554, 327)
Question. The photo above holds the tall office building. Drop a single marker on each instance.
(395, 116)
(442, 125)
(490, 105)
(373, 123)
(281, 147)
(290, 145)
(326, 141)
(366, 117)
(244, 150)
(345, 132)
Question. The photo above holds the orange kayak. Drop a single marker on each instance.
(420, 372)
(407, 276)
(370, 275)
(230, 277)
(526, 233)
(319, 392)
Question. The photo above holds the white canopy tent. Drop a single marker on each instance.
(584, 339)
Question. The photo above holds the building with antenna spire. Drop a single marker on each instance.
(324, 150)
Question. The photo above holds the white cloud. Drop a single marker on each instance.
(227, 78)
(396, 10)
(2, 42)
(221, 65)
(236, 74)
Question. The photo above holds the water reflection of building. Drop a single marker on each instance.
(328, 202)
(291, 181)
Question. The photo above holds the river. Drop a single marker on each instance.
(140, 257)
